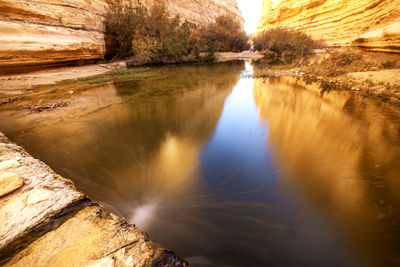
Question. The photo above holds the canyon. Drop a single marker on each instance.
(36, 34)
(370, 24)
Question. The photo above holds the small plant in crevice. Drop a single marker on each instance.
(388, 64)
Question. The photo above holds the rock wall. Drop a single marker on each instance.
(37, 33)
(372, 24)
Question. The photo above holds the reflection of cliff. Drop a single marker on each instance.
(137, 141)
(375, 23)
(37, 33)
(342, 153)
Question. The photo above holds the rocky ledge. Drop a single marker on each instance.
(45, 221)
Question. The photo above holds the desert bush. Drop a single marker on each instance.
(153, 36)
(288, 45)
(225, 34)
(148, 35)
(120, 24)
(388, 64)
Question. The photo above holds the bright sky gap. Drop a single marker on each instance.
(251, 11)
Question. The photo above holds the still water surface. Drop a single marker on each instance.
(231, 171)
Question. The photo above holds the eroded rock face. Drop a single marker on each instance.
(37, 33)
(372, 24)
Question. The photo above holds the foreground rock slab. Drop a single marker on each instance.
(94, 237)
(45, 221)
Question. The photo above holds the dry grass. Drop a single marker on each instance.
(46, 107)
(338, 63)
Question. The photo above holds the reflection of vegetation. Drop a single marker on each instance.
(153, 36)
(175, 79)
(184, 105)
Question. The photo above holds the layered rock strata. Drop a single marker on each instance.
(45, 221)
(371, 24)
(39, 33)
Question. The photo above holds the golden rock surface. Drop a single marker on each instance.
(94, 238)
(371, 24)
(38, 33)
(25, 209)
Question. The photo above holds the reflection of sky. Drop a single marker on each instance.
(248, 205)
(236, 159)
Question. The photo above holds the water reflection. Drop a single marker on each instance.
(342, 152)
(229, 171)
(255, 215)
(237, 149)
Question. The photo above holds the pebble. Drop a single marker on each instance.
(38, 195)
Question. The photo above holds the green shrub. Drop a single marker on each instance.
(288, 45)
(388, 64)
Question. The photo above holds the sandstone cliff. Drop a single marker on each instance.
(372, 24)
(37, 33)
